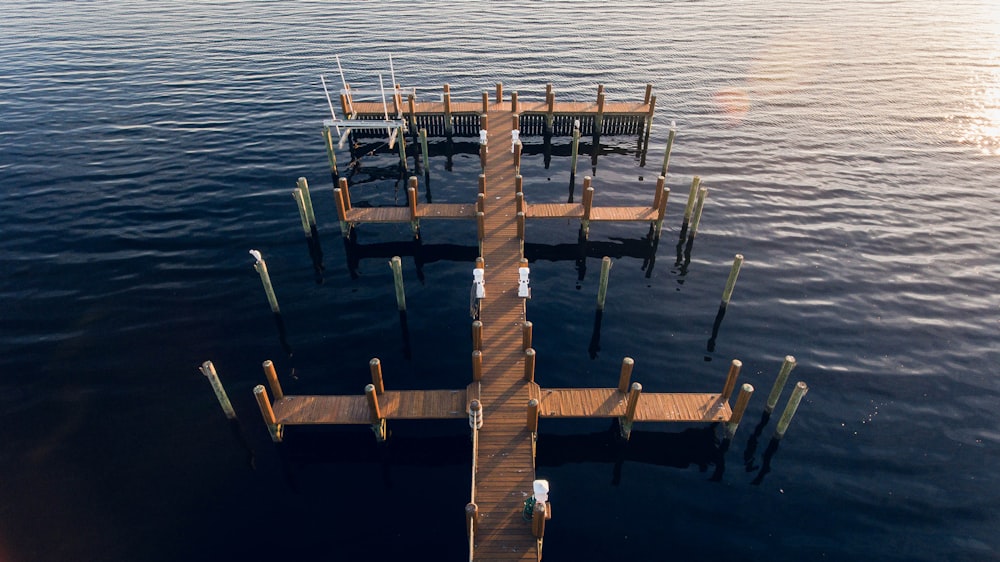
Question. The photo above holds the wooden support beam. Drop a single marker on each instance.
(272, 379)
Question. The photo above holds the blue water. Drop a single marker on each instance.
(852, 152)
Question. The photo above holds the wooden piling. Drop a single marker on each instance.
(538, 520)
(649, 91)
(411, 195)
(447, 110)
(499, 92)
(779, 383)
(273, 427)
(727, 293)
(401, 141)
(471, 519)
(520, 226)
(698, 207)
(602, 288)
(529, 364)
(375, 412)
(575, 151)
(519, 202)
(396, 265)
(260, 266)
(477, 335)
(798, 392)
(481, 227)
(338, 196)
(734, 372)
(550, 107)
(331, 154)
(208, 369)
(424, 151)
(517, 157)
(626, 374)
(411, 102)
(588, 204)
(272, 379)
(666, 152)
(632, 404)
(477, 365)
(482, 184)
(692, 195)
(303, 213)
(475, 415)
(480, 203)
(533, 415)
(513, 101)
(486, 104)
(599, 118)
(303, 186)
(518, 183)
(526, 328)
(746, 391)
(660, 202)
(649, 123)
(375, 366)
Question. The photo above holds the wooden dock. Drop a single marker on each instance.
(503, 390)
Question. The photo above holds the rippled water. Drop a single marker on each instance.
(851, 150)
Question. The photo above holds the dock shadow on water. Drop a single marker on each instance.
(279, 322)
(316, 254)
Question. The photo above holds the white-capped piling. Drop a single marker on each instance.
(779, 383)
(602, 288)
(208, 369)
(260, 266)
(727, 293)
(692, 195)
(798, 392)
(746, 391)
(396, 264)
(264, 403)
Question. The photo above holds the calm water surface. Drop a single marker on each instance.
(852, 150)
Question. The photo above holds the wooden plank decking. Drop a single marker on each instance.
(405, 405)
(506, 466)
(652, 407)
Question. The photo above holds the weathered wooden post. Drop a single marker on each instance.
(499, 92)
(411, 195)
(480, 203)
(550, 107)
(260, 266)
(661, 205)
(447, 111)
(477, 365)
(482, 184)
(424, 153)
(477, 335)
(588, 203)
(526, 328)
(481, 228)
(741, 405)
(396, 265)
(529, 364)
(518, 184)
(272, 379)
(471, 519)
(798, 392)
(779, 383)
(649, 123)
(273, 427)
(734, 372)
(375, 413)
(520, 228)
(727, 293)
(692, 195)
(538, 520)
(519, 202)
(631, 405)
(533, 415)
(599, 118)
(401, 141)
(331, 154)
(486, 104)
(340, 196)
(411, 102)
(575, 152)
(517, 157)
(513, 101)
(303, 213)
(698, 207)
(375, 366)
(602, 288)
(208, 369)
(626, 374)
(303, 185)
(670, 145)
